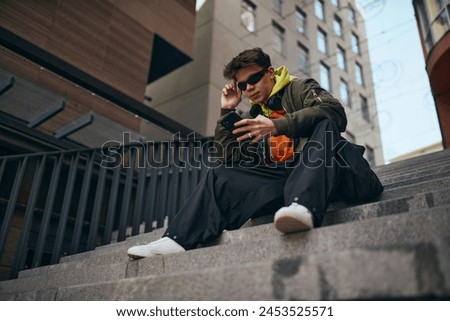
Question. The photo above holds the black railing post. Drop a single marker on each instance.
(196, 161)
(150, 198)
(98, 200)
(12, 201)
(82, 204)
(2, 169)
(140, 190)
(164, 185)
(43, 230)
(126, 197)
(67, 201)
(29, 212)
(185, 171)
(174, 184)
(112, 205)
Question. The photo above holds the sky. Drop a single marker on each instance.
(406, 110)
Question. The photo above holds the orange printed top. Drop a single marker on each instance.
(281, 147)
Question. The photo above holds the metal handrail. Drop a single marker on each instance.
(66, 202)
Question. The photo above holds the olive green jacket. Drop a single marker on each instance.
(306, 104)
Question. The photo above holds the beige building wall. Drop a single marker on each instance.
(191, 94)
(114, 41)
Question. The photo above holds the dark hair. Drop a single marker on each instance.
(246, 58)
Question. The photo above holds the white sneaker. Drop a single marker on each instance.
(293, 218)
(162, 246)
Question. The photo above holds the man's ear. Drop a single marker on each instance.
(271, 71)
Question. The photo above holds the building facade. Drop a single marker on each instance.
(433, 21)
(323, 39)
(74, 73)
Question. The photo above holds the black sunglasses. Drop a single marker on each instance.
(252, 80)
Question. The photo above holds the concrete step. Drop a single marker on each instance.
(269, 244)
(415, 188)
(398, 200)
(407, 189)
(431, 180)
(410, 270)
(414, 162)
(428, 174)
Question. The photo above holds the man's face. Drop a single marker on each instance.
(257, 91)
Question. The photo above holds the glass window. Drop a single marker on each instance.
(355, 44)
(325, 77)
(341, 59)
(301, 21)
(344, 93)
(434, 7)
(319, 9)
(303, 57)
(337, 26)
(359, 76)
(248, 15)
(434, 20)
(279, 38)
(365, 108)
(322, 41)
(440, 26)
(336, 3)
(352, 15)
(277, 6)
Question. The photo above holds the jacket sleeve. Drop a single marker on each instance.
(229, 150)
(309, 104)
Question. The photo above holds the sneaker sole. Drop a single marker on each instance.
(287, 224)
(135, 257)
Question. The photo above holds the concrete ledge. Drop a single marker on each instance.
(117, 254)
(385, 249)
(256, 244)
(405, 188)
(416, 161)
(392, 272)
(384, 231)
(396, 193)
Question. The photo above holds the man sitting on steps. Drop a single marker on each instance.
(286, 153)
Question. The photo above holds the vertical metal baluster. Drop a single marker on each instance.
(150, 208)
(185, 175)
(195, 173)
(205, 159)
(97, 208)
(81, 212)
(112, 204)
(12, 201)
(164, 186)
(126, 198)
(2, 169)
(174, 185)
(21, 253)
(40, 244)
(60, 232)
(140, 189)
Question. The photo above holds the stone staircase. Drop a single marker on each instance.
(395, 248)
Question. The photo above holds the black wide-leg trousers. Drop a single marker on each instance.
(329, 168)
